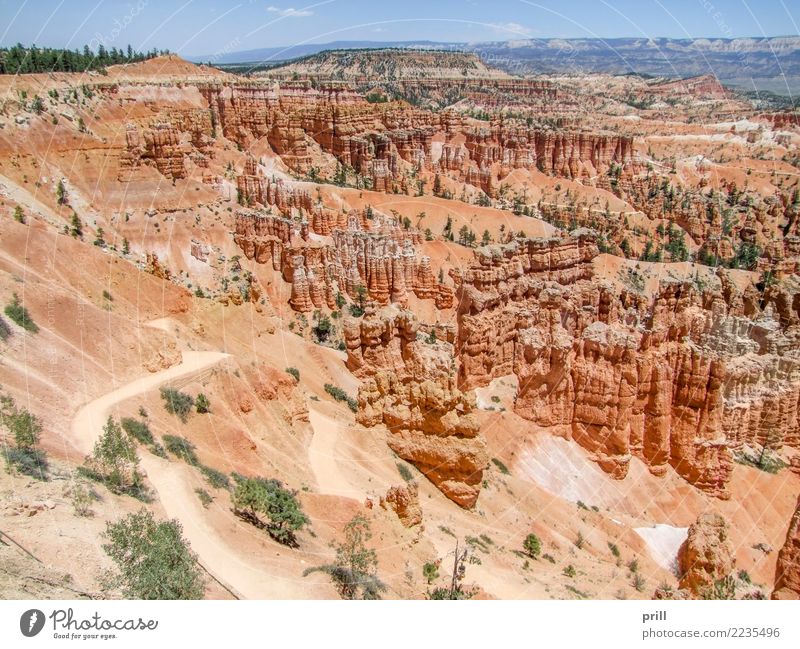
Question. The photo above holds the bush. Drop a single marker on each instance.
(181, 448)
(340, 395)
(205, 497)
(255, 496)
(25, 429)
(139, 430)
(405, 472)
(323, 328)
(177, 403)
(614, 549)
(153, 559)
(532, 546)
(500, 466)
(570, 571)
(159, 451)
(82, 498)
(430, 571)
(294, 372)
(354, 572)
(202, 404)
(5, 330)
(114, 462)
(215, 478)
(28, 461)
(19, 314)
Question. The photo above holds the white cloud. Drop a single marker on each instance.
(513, 28)
(290, 12)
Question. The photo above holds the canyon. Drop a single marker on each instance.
(428, 312)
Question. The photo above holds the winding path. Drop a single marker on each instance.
(173, 483)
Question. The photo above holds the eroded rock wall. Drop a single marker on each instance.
(409, 387)
(675, 375)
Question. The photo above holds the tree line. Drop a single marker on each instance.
(20, 59)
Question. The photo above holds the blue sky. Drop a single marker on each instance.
(206, 27)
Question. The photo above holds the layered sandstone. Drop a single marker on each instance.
(403, 500)
(675, 376)
(367, 255)
(706, 556)
(787, 571)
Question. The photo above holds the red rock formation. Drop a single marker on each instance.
(409, 388)
(383, 141)
(675, 379)
(403, 500)
(706, 555)
(375, 254)
(787, 571)
(158, 146)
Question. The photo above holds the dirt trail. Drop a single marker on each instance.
(88, 423)
(22, 196)
(174, 485)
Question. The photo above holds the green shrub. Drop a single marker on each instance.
(202, 404)
(532, 545)
(430, 571)
(340, 395)
(570, 571)
(354, 571)
(159, 451)
(26, 430)
(177, 403)
(500, 466)
(205, 497)
(216, 479)
(405, 472)
(82, 498)
(152, 558)
(19, 314)
(28, 461)
(614, 549)
(139, 430)
(181, 448)
(114, 462)
(5, 330)
(254, 497)
(294, 372)
(323, 328)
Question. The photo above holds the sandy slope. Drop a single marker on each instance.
(88, 423)
(322, 457)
